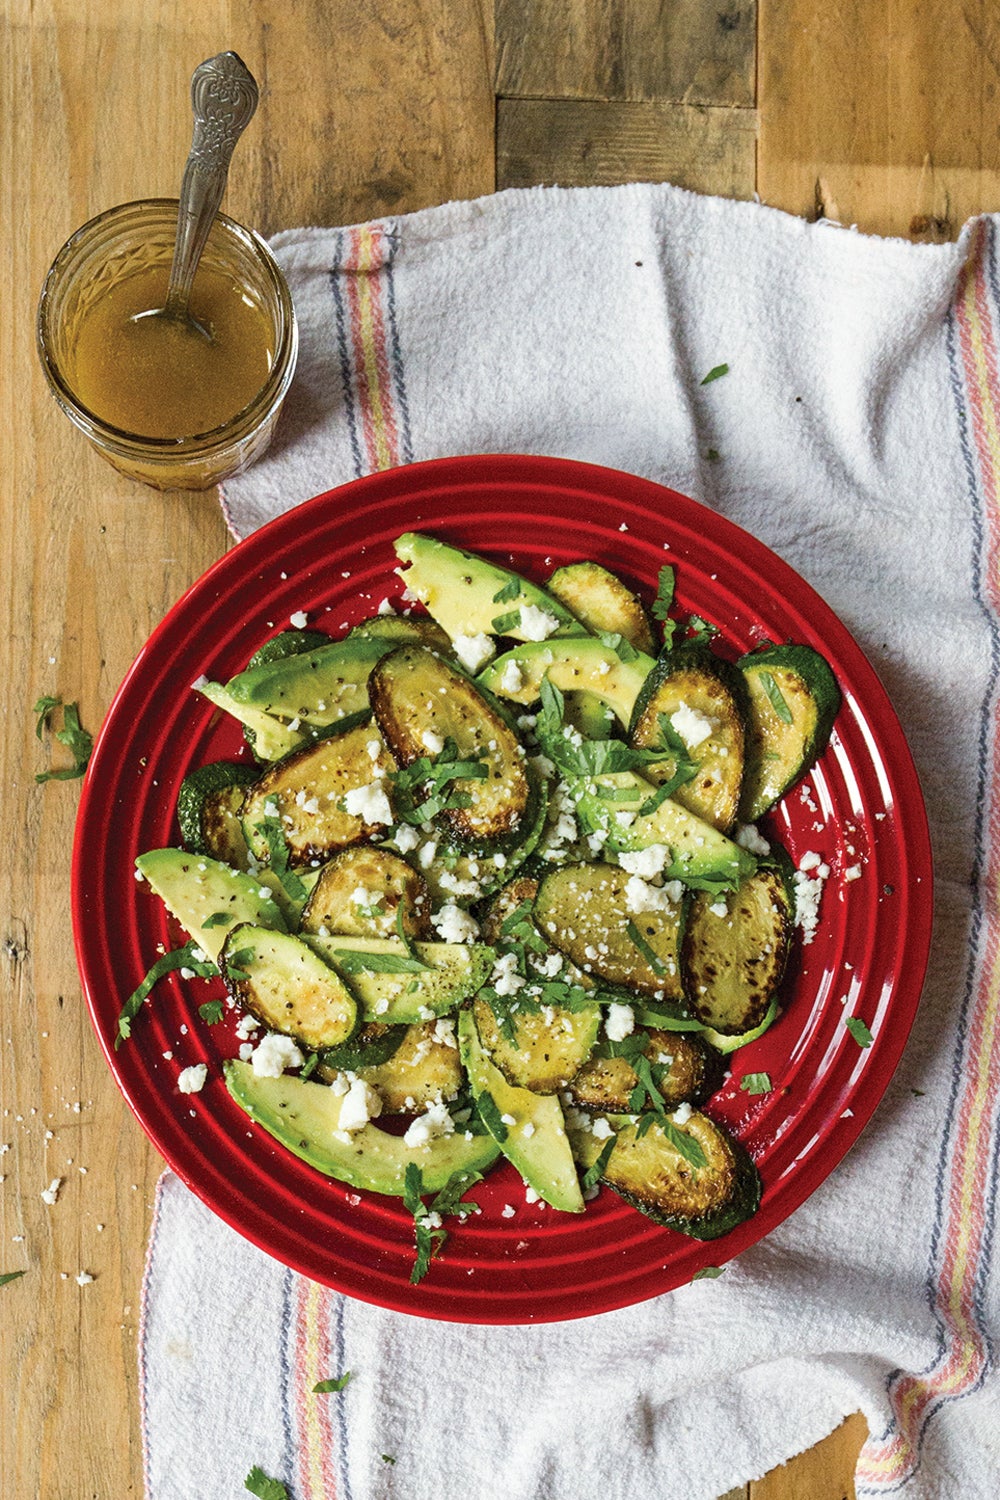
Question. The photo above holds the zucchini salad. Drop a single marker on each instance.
(489, 886)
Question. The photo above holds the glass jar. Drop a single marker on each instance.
(129, 245)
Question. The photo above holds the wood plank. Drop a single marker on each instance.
(627, 50)
(825, 1472)
(90, 563)
(579, 143)
(881, 116)
(366, 109)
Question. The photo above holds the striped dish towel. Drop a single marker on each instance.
(857, 435)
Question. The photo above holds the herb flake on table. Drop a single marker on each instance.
(79, 741)
(715, 373)
(335, 1383)
(265, 1488)
(10, 1276)
(859, 1031)
(708, 1273)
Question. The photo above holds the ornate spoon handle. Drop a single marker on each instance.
(224, 96)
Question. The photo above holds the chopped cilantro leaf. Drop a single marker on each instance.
(636, 937)
(685, 1144)
(509, 591)
(664, 593)
(310, 1065)
(714, 373)
(699, 631)
(859, 1031)
(265, 1488)
(775, 697)
(756, 1083)
(354, 962)
(79, 741)
(335, 1383)
(273, 834)
(595, 1171)
(211, 1011)
(217, 919)
(427, 1232)
(708, 1273)
(623, 649)
(10, 1276)
(179, 958)
(387, 1458)
(505, 623)
(490, 1116)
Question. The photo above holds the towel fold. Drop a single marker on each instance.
(856, 434)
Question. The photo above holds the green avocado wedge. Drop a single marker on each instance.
(304, 1117)
(529, 1128)
(575, 664)
(207, 897)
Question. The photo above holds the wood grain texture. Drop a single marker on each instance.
(576, 143)
(825, 1472)
(884, 116)
(670, 50)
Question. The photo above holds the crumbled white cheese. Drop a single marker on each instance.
(511, 680)
(853, 872)
(682, 1113)
(619, 1022)
(360, 1104)
(508, 1211)
(748, 837)
(692, 726)
(385, 608)
(432, 743)
(299, 620)
(474, 651)
(455, 925)
(645, 862)
(640, 896)
(406, 838)
(273, 1054)
(51, 1193)
(808, 880)
(537, 624)
(246, 1026)
(719, 908)
(434, 1122)
(84, 1278)
(602, 1129)
(369, 803)
(192, 1080)
(444, 1032)
(505, 978)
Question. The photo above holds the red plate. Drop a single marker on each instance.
(860, 808)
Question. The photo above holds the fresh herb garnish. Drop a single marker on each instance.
(708, 1273)
(505, 623)
(265, 1488)
(273, 834)
(623, 649)
(775, 697)
(685, 769)
(211, 1011)
(686, 1145)
(490, 1116)
(595, 1171)
(217, 919)
(352, 961)
(387, 1458)
(364, 1051)
(79, 741)
(404, 936)
(664, 593)
(10, 1276)
(424, 788)
(756, 1083)
(310, 1065)
(179, 958)
(713, 455)
(336, 1383)
(428, 1231)
(510, 591)
(859, 1031)
(714, 373)
(654, 961)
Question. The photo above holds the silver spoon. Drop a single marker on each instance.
(224, 97)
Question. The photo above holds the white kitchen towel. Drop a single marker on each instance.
(857, 433)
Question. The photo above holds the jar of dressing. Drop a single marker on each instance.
(160, 403)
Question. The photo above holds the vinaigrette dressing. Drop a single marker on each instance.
(158, 379)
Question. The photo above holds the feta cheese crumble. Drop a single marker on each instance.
(537, 624)
(454, 925)
(645, 862)
(274, 1054)
(369, 803)
(434, 1122)
(192, 1080)
(619, 1022)
(693, 727)
(474, 651)
(360, 1104)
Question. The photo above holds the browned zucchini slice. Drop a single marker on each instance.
(367, 892)
(735, 949)
(693, 1071)
(547, 1047)
(695, 694)
(583, 910)
(794, 700)
(647, 1169)
(602, 602)
(423, 706)
(421, 1067)
(306, 792)
(288, 986)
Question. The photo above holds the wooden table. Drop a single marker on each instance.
(880, 115)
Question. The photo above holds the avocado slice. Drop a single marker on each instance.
(321, 686)
(468, 595)
(270, 738)
(698, 853)
(573, 664)
(393, 988)
(208, 897)
(303, 1116)
(536, 1143)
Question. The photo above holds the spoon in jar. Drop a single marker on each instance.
(224, 97)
